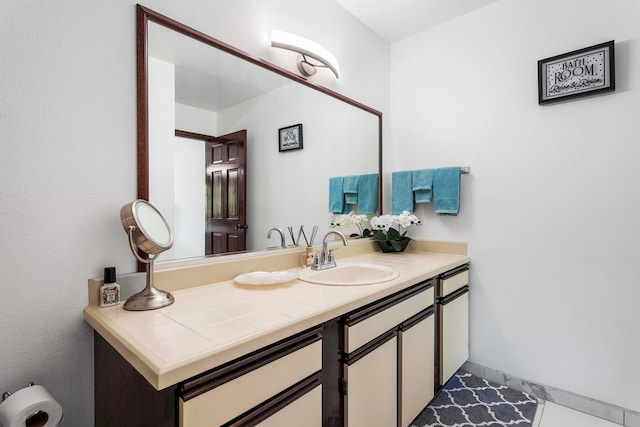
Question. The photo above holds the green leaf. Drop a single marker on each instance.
(393, 234)
(396, 245)
(379, 235)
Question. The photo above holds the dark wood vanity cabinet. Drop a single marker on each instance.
(123, 397)
(377, 365)
(279, 385)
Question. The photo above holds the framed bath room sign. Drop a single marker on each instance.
(290, 138)
(583, 72)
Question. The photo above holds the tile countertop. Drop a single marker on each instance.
(213, 323)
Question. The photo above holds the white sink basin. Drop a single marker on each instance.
(350, 275)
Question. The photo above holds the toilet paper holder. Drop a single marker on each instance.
(35, 418)
(6, 394)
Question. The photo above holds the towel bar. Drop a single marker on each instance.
(465, 169)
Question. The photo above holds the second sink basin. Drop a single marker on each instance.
(350, 275)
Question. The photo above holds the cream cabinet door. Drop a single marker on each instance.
(305, 411)
(454, 337)
(416, 369)
(371, 381)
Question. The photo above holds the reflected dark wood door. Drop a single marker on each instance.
(226, 215)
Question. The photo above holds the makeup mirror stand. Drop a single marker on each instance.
(148, 233)
(150, 297)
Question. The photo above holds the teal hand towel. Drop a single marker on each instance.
(446, 191)
(422, 185)
(336, 195)
(351, 189)
(401, 192)
(368, 194)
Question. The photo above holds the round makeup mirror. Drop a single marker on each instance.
(148, 232)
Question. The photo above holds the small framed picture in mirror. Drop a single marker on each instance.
(290, 138)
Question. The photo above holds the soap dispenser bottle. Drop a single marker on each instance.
(110, 291)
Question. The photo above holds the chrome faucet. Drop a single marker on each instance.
(325, 259)
(282, 242)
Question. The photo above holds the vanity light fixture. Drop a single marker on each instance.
(148, 232)
(312, 55)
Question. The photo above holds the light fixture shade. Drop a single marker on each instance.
(306, 47)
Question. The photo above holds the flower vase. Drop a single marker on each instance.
(386, 246)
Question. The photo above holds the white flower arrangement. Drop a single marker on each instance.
(384, 231)
(349, 220)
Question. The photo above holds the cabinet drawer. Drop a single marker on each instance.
(360, 333)
(451, 284)
(234, 397)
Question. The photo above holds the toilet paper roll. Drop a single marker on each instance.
(30, 407)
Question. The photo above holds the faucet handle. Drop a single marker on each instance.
(331, 260)
(317, 261)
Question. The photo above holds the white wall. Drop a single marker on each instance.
(196, 120)
(550, 207)
(68, 163)
(162, 147)
(190, 189)
(190, 200)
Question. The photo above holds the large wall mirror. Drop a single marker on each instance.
(209, 117)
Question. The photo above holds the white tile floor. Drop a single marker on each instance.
(554, 415)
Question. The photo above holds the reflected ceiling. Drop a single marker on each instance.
(207, 81)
